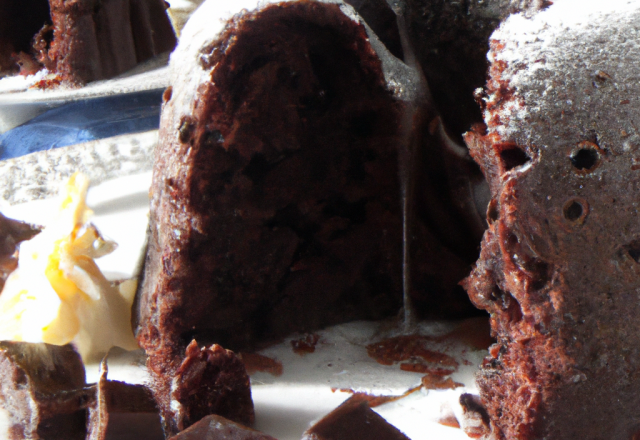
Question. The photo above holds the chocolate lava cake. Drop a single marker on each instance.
(559, 267)
(82, 40)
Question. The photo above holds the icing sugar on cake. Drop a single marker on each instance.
(558, 270)
(537, 54)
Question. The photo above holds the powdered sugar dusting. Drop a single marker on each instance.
(571, 43)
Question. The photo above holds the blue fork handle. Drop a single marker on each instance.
(84, 121)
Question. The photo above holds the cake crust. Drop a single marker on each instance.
(558, 269)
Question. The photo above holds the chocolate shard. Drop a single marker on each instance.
(475, 420)
(353, 420)
(121, 408)
(12, 232)
(42, 391)
(214, 427)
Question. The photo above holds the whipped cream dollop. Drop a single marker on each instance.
(58, 294)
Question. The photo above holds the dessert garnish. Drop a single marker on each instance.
(58, 294)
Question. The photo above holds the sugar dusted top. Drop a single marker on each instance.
(560, 63)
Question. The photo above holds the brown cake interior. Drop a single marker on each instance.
(293, 214)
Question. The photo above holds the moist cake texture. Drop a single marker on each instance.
(277, 195)
(275, 167)
(559, 267)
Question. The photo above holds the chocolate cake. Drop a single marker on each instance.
(558, 269)
(272, 173)
(450, 40)
(82, 40)
(214, 427)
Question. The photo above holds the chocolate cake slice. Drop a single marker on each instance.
(274, 202)
(559, 267)
(288, 190)
(82, 40)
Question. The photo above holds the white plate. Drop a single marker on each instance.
(307, 389)
(20, 103)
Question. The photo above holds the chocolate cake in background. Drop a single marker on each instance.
(82, 40)
(559, 267)
(353, 420)
(450, 41)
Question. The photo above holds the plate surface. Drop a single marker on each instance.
(309, 386)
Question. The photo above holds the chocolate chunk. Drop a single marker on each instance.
(42, 388)
(353, 420)
(215, 427)
(209, 380)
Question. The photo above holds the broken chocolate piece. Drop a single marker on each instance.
(42, 388)
(475, 420)
(353, 420)
(209, 380)
(12, 232)
(558, 270)
(83, 40)
(119, 407)
(214, 427)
